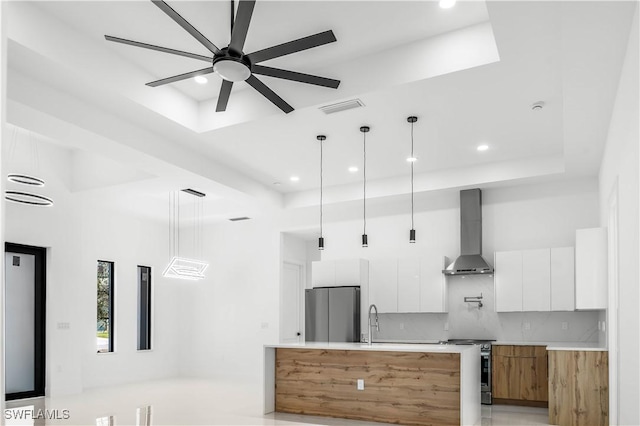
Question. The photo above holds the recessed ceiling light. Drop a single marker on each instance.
(447, 4)
(200, 79)
(294, 178)
(482, 147)
(353, 169)
(412, 159)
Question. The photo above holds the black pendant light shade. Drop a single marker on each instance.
(412, 233)
(365, 239)
(321, 138)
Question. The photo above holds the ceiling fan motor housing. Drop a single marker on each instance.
(231, 66)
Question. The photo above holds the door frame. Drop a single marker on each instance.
(302, 283)
(40, 254)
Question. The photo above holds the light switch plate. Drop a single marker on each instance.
(565, 325)
(360, 384)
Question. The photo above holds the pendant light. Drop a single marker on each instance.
(182, 267)
(26, 179)
(321, 138)
(412, 159)
(365, 239)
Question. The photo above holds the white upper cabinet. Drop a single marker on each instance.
(562, 279)
(591, 268)
(348, 271)
(383, 285)
(323, 273)
(409, 285)
(536, 280)
(508, 281)
(433, 284)
(336, 273)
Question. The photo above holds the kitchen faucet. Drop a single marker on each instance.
(377, 323)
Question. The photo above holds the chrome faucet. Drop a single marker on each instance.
(377, 323)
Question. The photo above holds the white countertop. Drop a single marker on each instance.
(558, 346)
(390, 347)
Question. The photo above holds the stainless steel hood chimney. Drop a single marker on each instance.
(470, 261)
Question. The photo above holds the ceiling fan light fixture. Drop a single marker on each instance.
(231, 70)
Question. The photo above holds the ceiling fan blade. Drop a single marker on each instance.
(269, 94)
(186, 25)
(158, 48)
(179, 77)
(241, 25)
(223, 98)
(292, 46)
(296, 76)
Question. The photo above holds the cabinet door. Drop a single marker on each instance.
(323, 273)
(562, 279)
(508, 281)
(520, 373)
(383, 284)
(433, 291)
(591, 268)
(347, 272)
(409, 285)
(536, 280)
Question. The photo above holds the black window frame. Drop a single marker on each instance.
(111, 317)
(144, 309)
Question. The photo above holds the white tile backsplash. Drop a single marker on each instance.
(466, 320)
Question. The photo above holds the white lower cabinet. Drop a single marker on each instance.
(538, 280)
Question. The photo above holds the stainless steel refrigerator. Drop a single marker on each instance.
(332, 314)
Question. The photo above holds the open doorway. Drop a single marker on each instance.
(25, 272)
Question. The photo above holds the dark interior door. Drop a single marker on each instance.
(24, 321)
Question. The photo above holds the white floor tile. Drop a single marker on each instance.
(204, 402)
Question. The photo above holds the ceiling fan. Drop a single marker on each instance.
(232, 64)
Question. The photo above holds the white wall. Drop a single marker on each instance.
(235, 310)
(621, 163)
(76, 236)
(3, 99)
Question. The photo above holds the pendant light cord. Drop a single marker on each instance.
(364, 174)
(412, 175)
(321, 157)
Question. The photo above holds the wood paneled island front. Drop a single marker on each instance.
(411, 384)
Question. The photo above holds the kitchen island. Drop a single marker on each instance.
(412, 384)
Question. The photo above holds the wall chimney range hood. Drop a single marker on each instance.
(470, 261)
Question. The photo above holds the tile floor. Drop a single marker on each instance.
(200, 402)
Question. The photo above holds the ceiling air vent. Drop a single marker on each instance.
(342, 106)
(236, 219)
(194, 192)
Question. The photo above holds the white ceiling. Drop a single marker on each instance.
(470, 74)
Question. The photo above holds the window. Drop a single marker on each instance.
(105, 307)
(144, 308)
